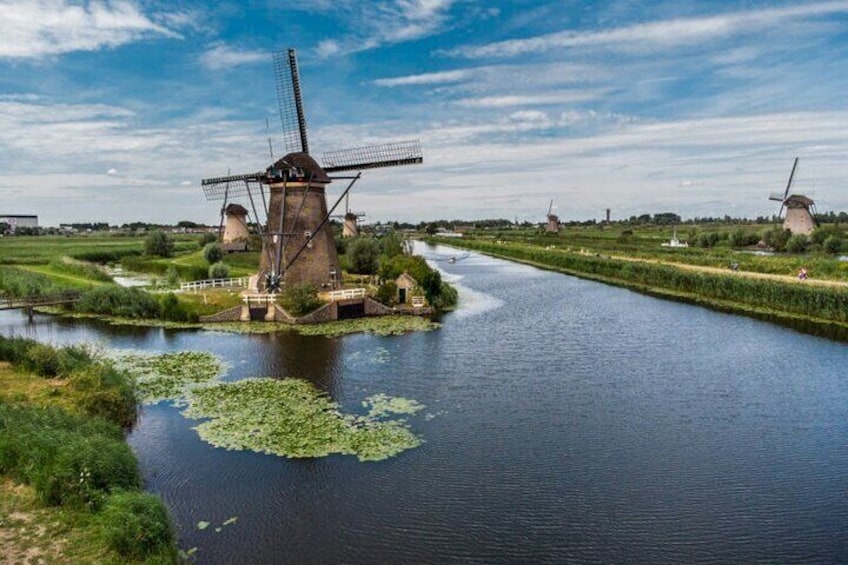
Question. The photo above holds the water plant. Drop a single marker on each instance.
(167, 376)
(292, 418)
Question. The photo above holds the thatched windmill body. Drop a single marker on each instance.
(800, 210)
(297, 242)
(553, 220)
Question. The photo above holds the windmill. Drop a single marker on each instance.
(800, 209)
(288, 198)
(236, 232)
(350, 228)
(553, 220)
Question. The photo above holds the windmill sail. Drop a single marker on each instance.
(289, 98)
(373, 157)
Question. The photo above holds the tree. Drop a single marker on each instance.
(159, 243)
(213, 253)
(776, 238)
(431, 229)
(391, 244)
(364, 255)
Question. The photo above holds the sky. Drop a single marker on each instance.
(113, 111)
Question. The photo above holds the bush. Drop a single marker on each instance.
(300, 299)
(14, 349)
(138, 526)
(797, 243)
(103, 391)
(833, 244)
(776, 238)
(213, 253)
(172, 275)
(118, 301)
(218, 271)
(171, 309)
(387, 293)
(205, 238)
(85, 469)
(43, 360)
(159, 243)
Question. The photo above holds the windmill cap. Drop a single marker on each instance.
(235, 210)
(799, 200)
(303, 162)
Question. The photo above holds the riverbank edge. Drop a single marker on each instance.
(33, 530)
(820, 327)
(378, 325)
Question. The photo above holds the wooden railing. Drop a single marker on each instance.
(194, 286)
(11, 302)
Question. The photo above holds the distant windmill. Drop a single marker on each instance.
(297, 243)
(553, 220)
(800, 210)
(350, 227)
(236, 231)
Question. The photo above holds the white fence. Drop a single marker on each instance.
(346, 294)
(194, 286)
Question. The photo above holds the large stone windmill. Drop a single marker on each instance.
(800, 210)
(297, 242)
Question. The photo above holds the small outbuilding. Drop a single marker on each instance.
(405, 288)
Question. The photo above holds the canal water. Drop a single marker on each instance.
(566, 422)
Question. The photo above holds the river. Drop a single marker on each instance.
(567, 422)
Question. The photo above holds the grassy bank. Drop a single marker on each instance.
(70, 488)
(822, 310)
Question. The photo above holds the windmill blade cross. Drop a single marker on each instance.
(373, 156)
(290, 101)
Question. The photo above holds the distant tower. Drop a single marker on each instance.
(553, 220)
(236, 234)
(608, 215)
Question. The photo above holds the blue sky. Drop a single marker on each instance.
(114, 111)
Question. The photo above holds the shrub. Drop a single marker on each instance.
(172, 275)
(218, 271)
(43, 360)
(300, 299)
(101, 390)
(171, 309)
(85, 469)
(387, 293)
(212, 253)
(14, 349)
(158, 243)
(137, 525)
(205, 238)
(119, 301)
(797, 243)
(833, 244)
(776, 238)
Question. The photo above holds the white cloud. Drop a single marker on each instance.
(380, 23)
(222, 56)
(112, 172)
(425, 79)
(186, 183)
(660, 34)
(38, 28)
(506, 101)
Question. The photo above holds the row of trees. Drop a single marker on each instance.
(829, 239)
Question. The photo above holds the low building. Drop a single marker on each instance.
(406, 286)
(15, 221)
